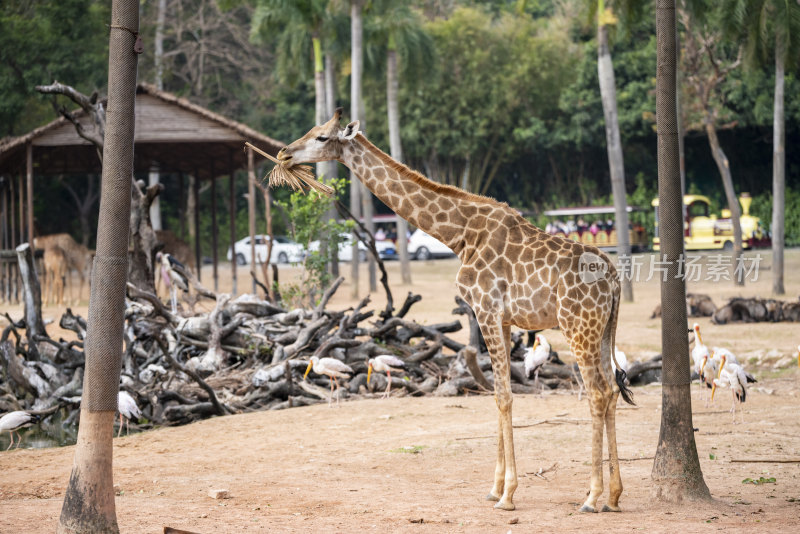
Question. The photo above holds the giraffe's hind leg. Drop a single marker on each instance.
(615, 484)
(599, 394)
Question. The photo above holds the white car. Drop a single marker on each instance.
(385, 248)
(283, 251)
(422, 246)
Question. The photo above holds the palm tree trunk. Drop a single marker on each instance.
(608, 92)
(676, 471)
(778, 174)
(332, 166)
(356, 60)
(727, 183)
(330, 105)
(319, 90)
(396, 149)
(89, 500)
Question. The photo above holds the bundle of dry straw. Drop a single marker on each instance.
(298, 177)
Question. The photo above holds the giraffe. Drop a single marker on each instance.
(511, 274)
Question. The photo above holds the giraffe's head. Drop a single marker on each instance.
(321, 143)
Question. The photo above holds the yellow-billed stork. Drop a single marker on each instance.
(332, 368)
(385, 363)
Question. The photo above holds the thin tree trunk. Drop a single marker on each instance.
(159, 54)
(608, 92)
(356, 58)
(89, 499)
(319, 91)
(727, 183)
(676, 474)
(778, 175)
(396, 149)
(332, 172)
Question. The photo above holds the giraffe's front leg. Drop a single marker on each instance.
(500, 466)
(498, 339)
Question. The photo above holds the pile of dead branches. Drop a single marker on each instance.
(248, 354)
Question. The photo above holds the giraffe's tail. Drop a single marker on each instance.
(620, 375)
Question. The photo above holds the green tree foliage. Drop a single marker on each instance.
(43, 41)
(514, 71)
(307, 222)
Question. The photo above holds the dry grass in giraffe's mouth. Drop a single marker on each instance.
(298, 177)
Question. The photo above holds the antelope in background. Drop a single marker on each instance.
(75, 257)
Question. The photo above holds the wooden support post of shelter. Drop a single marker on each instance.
(214, 229)
(21, 195)
(197, 252)
(29, 170)
(232, 214)
(181, 207)
(251, 211)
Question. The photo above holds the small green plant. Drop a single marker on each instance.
(712, 456)
(411, 449)
(309, 221)
(759, 481)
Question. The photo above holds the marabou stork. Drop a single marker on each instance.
(536, 356)
(173, 278)
(127, 408)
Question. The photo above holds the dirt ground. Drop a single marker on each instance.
(385, 465)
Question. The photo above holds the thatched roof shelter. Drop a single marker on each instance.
(171, 133)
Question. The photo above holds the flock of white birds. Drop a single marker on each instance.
(717, 367)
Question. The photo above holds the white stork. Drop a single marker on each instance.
(173, 278)
(332, 368)
(699, 351)
(385, 363)
(621, 360)
(732, 375)
(127, 408)
(13, 421)
(536, 356)
(708, 372)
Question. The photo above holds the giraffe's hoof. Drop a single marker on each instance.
(505, 505)
(608, 508)
(586, 509)
(492, 497)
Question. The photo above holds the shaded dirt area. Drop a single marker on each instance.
(378, 465)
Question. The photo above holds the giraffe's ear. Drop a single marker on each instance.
(349, 131)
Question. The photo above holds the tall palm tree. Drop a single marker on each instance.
(771, 27)
(356, 64)
(608, 93)
(89, 498)
(293, 22)
(676, 471)
(400, 30)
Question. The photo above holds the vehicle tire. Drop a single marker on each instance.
(728, 246)
(362, 256)
(423, 254)
(240, 259)
(283, 258)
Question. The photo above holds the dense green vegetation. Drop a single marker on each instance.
(509, 96)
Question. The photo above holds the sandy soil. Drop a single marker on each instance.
(384, 465)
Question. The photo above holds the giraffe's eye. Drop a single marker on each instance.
(322, 138)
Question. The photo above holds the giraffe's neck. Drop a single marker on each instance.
(420, 201)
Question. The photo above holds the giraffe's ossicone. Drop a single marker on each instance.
(512, 274)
